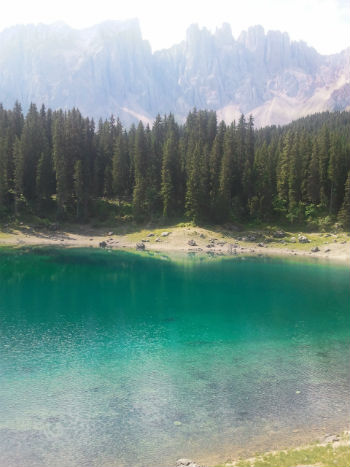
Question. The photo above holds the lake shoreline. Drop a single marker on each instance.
(185, 240)
(329, 446)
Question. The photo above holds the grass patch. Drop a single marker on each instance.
(322, 456)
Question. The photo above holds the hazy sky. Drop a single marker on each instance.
(324, 24)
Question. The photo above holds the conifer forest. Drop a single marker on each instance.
(60, 164)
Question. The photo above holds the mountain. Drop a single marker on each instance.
(109, 68)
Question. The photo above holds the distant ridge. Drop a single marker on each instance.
(109, 68)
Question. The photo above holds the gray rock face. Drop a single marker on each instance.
(109, 69)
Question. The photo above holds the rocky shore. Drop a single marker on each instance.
(187, 239)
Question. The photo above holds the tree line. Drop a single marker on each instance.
(203, 169)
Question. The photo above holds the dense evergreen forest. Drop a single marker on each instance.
(56, 163)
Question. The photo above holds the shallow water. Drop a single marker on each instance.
(116, 359)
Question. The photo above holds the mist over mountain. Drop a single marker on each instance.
(109, 68)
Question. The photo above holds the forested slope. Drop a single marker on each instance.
(55, 163)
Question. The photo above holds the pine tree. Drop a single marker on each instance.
(19, 173)
(344, 213)
(324, 149)
(4, 182)
(227, 177)
(121, 167)
(60, 161)
(336, 174)
(34, 143)
(248, 164)
(170, 173)
(314, 175)
(215, 160)
(79, 190)
(140, 202)
(44, 176)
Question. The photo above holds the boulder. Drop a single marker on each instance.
(293, 240)
(140, 246)
(331, 438)
(181, 462)
(150, 235)
(110, 233)
(261, 245)
(192, 242)
(164, 234)
(231, 227)
(315, 249)
(102, 244)
(186, 462)
(279, 234)
(53, 227)
(249, 238)
(303, 239)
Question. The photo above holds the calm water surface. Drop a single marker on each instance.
(114, 359)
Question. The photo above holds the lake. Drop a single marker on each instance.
(119, 359)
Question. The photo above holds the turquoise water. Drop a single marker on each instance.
(115, 359)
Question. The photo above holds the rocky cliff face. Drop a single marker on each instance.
(109, 68)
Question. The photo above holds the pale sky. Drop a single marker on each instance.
(323, 24)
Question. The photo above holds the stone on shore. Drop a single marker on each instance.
(279, 234)
(165, 234)
(186, 462)
(140, 246)
(303, 239)
(102, 244)
(192, 243)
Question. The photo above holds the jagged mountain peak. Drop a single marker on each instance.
(109, 68)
